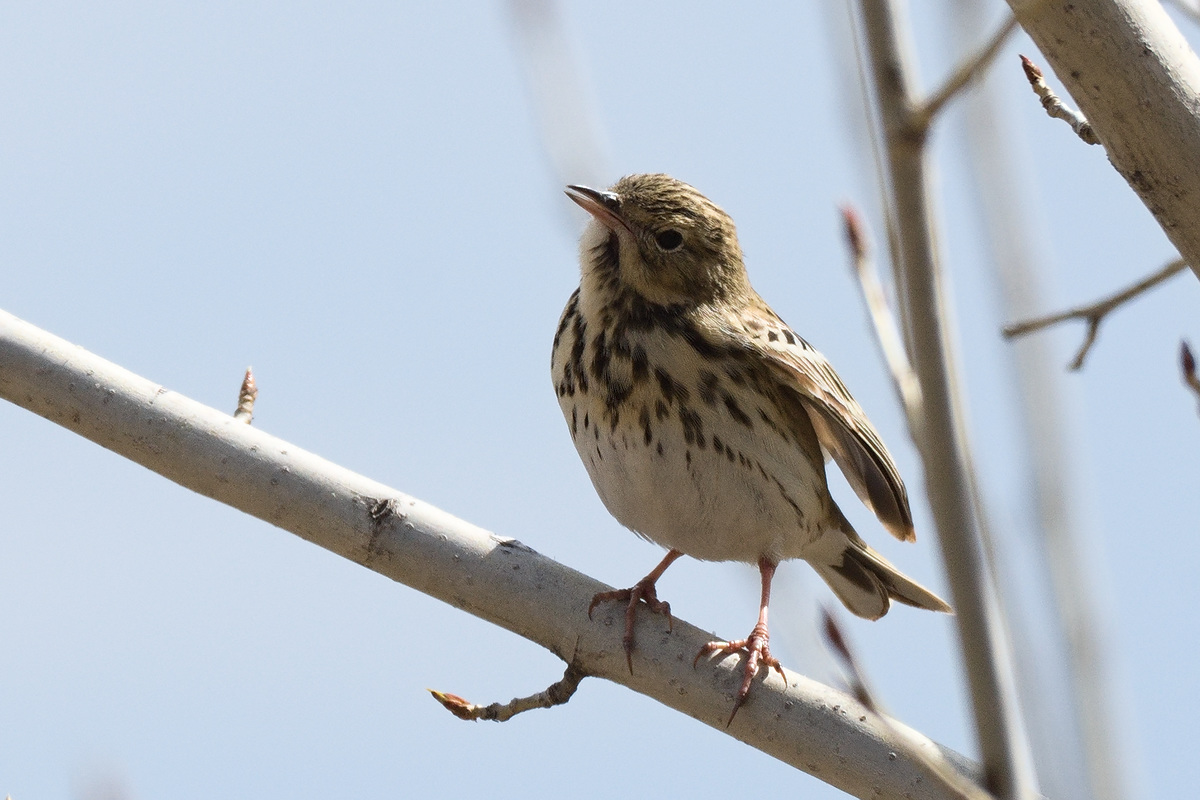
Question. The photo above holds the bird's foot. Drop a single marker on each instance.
(644, 591)
(758, 653)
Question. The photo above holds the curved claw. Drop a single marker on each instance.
(758, 651)
(643, 591)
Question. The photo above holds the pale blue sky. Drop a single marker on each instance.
(354, 198)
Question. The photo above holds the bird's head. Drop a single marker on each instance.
(662, 239)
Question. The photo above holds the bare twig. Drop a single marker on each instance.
(964, 74)
(1054, 107)
(941, 437)
(556, 694)
(246, 397)
(887, 332)
(1187, 363)
(1094, 313)
(810, 726)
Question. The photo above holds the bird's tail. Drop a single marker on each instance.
(866, 582)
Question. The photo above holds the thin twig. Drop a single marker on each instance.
(556, 694)
(1094, 313)
(1054, 107)
(1187, 363)
(964, 74)
(887, 332)
(246, 397)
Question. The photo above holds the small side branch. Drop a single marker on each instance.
(1054, 107)
(887, 332)
(1187, 363)
(1094, 313)
(974, 66)
(556, 694)
(246, 397)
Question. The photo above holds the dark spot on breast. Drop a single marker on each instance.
(641, 365)
(574, 421)
(672, 390)
(734, 373)
(735, 411)
(693, 427)
(771, 424)
(708, 387)
(661, 411)
(600, 356)
(587, 418)
(659, 448)
(687, 456)
(718, 445)
(574, 367)
(615, 395)
(787, 498)
(644, 421)
(568, 317)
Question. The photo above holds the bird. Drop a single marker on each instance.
(705, 422)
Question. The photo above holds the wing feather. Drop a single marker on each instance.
(841, 425)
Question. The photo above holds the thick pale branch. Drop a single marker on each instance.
(1094, 313)
(805, 724)
(1137, 81)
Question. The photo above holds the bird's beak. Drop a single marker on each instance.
(604, 206)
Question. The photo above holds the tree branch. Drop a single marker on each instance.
(805, 724)
(964, 74)
(1094, 313)
(887, 333)
(941, 436)
(1136, 79)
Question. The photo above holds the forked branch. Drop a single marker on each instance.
(1094, 313)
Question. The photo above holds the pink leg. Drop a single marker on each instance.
(642, 590)
(757, 645)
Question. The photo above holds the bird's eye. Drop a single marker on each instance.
(669, 240)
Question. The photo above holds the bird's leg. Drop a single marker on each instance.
(757, 645)
(642, 590)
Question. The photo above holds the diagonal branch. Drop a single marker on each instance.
(966, 72)
(1095, 313)
(803, 723)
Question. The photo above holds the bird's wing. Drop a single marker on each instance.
(841, 425)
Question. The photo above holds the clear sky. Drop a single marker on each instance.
(355, 198)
